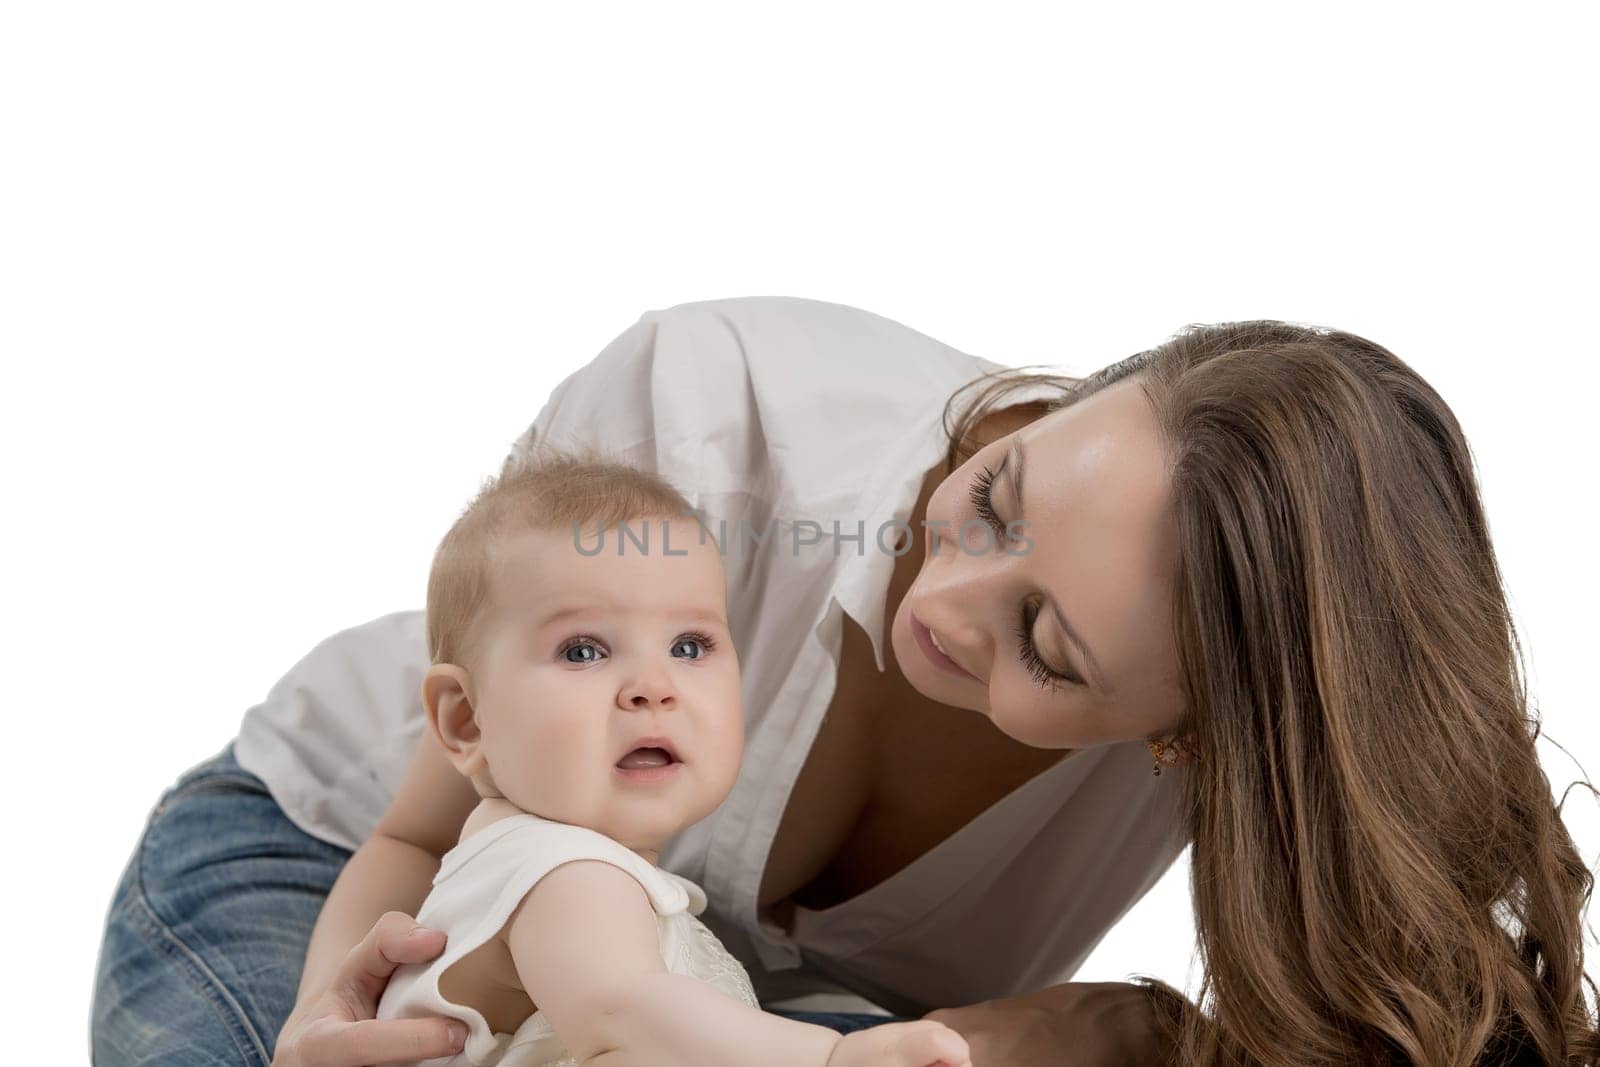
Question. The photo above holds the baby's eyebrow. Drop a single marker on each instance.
(699, 614)
(706, 615)
(563, 613)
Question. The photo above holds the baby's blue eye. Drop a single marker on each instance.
(573, 648)
(703, 641)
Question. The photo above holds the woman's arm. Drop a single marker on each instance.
(384, 874)
(394, 868)
(1114, 1024)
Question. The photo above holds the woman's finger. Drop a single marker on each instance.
(382, 1041)
(394, 939)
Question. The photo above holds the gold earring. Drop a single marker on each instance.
(1164, 752)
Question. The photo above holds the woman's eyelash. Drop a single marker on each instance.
(982, 493)
(1043, 675)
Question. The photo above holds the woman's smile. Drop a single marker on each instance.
(928, 641)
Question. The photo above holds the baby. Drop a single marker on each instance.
(584, 679)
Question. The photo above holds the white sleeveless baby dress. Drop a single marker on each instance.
(480, 883)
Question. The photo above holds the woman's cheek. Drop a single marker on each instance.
(1020, 711)
(1004, 707)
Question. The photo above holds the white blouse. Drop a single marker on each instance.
(480, 883)
(816, 422)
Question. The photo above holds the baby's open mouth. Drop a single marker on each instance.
(647, 757)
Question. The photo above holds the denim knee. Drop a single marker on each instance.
(208, 925)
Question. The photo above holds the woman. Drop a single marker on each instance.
(1257, 548)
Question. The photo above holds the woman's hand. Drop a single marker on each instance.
(337, 1028)
(1077, 1024)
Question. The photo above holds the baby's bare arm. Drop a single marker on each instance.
(677, 1020)
(586, 948)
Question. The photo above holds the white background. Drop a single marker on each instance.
(282, 282)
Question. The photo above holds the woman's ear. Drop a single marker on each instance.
(452, 718)
(1188, 754)
(1174, 751)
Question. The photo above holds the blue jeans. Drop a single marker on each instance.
(208, 926)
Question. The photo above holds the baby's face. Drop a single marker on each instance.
(585, 656)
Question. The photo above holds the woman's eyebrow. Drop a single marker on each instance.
(1015, 464)
(1015, 461)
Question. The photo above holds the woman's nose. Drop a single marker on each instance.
(952, 591)
(973, 537)
(957, 555)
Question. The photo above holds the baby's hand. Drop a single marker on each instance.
(920, 1043)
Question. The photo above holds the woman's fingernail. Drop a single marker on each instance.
(418, 933)
(458, 1036)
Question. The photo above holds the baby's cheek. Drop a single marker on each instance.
(731, 752)
(521, 765)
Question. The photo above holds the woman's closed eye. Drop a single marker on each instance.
(1044, 675)
(982, 494)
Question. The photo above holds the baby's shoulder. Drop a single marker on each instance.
(529, 849)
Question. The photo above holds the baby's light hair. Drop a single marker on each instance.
(539, 488)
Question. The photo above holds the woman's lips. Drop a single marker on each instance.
(937, 658)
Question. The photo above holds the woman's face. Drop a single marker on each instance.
(1090, 526)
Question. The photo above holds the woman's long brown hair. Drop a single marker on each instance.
(1379, 874)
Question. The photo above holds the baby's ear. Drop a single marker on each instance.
(451, 717)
